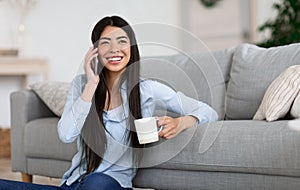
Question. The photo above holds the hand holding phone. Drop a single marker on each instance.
(95, 63)
(91, 65)
(95, 60)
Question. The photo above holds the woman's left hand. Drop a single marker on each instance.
(171, 126)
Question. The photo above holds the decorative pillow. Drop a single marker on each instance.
(280, 95)
(252, 71)
(54, 94)
(295, 111)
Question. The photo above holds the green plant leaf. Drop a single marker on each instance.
(285, 28)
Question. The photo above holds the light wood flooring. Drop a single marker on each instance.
(6, 173)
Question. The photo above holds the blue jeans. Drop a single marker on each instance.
(94, 181)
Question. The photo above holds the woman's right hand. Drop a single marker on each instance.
(92, 78)
(91, 54)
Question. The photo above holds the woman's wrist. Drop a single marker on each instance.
(189, 121)
(89, 91)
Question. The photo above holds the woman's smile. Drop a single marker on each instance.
(114, 60)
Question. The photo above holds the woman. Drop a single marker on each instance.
(101, 108)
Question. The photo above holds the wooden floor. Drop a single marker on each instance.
(6, 173)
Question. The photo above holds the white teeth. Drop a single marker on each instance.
(114, 59)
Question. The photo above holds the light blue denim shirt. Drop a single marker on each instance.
(117, 161)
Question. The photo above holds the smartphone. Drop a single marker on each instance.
(95, 61)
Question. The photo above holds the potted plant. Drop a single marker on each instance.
(285, 28)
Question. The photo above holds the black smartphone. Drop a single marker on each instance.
(95, 65)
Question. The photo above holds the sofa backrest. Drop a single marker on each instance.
(202, 75)
(253, 70)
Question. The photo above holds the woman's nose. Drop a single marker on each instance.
(114, 48)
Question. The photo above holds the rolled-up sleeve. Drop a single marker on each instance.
(178, 103)
(75, 112)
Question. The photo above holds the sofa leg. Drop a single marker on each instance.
(26, 177)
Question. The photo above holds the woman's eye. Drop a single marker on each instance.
(103, 42)
(123, 42)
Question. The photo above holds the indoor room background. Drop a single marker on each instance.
(59, 31)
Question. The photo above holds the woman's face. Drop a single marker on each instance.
(114, 49)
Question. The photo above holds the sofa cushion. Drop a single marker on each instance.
(156, 178)
(280, 95)
(240, 146)
(253, 69)
(202, 76)
(41, 140)
(47, 167)
(54, 94)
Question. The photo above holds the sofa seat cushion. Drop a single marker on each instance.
(155, 178)
(233, 146)
(41, 140)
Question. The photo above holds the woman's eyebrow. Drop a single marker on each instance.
(119, 37)
(105, 38)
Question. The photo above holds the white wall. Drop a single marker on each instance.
(264, 12)
(218, 27)
(60, 31)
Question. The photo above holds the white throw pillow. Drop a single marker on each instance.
(295, 111)
(280, 95)
(54, 94)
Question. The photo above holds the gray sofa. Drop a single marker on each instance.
(235, 152)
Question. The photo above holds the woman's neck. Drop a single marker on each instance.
(113, 80)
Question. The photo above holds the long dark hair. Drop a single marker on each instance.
(93, 139)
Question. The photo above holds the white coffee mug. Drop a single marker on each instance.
(146, 129)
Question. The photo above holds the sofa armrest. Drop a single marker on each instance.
(25, 106)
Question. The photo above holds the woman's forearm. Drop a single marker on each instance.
(89, 91)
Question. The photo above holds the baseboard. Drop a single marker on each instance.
(4, 143)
